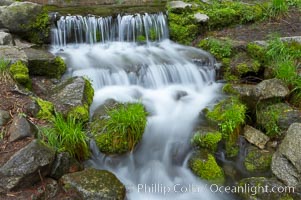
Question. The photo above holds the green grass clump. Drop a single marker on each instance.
(208, 141)
(218, 48)
(67, 135)
(208, 169)
(230, 115)
(122, 129)
(277, 8)
(4, 65)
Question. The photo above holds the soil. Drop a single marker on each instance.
(16, 100)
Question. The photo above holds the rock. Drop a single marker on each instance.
(4, 117)
(12, 54)
(48, 190)
(271, 88)
(276, 118)
(94, 184)
(286, 162)
(6, 39)
(178, 6)
(6, 2)
(257, 160)
(22, 44)
(199, 17)
(260, 188)
(64, 164)
(26, 166)
(21, 128)
(100, 111)
(255, 136)
(73, 97)
(292, 39)
(43, 63)
(19, 15)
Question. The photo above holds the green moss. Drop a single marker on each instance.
(229, 114)
(257, 52)
(20, 73)
(208, 141)
(80, 113)
(258, 160)
(121, 131)
(39, 28)
(46, 109)
(208, 169)
(220, 49)
(60, 67)
(89, 92)
(141, 38)
(228, 88)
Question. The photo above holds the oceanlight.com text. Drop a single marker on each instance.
(214, 188)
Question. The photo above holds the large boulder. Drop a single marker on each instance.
(21, 128)
(26, 166)
(286, 162)
(6, 38)
(73, 97)
(93, 184)
(43, 63)
(12, 54)
(19, 15)
(271, 88)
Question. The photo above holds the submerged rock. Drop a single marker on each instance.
(255, 136)
(93, 184)
(21, 128)
(27, 166)
(286, 163)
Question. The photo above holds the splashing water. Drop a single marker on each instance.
(174, 83)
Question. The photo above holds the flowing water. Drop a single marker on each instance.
(174, 82)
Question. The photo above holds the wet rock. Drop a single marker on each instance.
(64, 164)
(255, 136)
(199, 17)
(271, 88)
(43, 63)
(6, 39)
(73, 97)
(257, 160)
(12, 54)
(286, 162)
(94, 184)
(276, 118)
(26, 166)
(261, 189)
(19, 15)
(4, 117)
(21, 128)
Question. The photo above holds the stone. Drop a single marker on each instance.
(19, 15)
(255, 136)
(199, 17)
(48, 190)
(271, 88)
(27, 166)
(12, 54)
(6, 39)
(4, 117)
(257, 160)
(291, 39)
(21, 128)
(43, 63)
(100, 112)
(21, 44)
(178, 6)
(6, 2)
(63, 164)
(94, 184)
(286, 162)
(259, 188)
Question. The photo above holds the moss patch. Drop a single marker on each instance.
(208, 169)
(218, 48)
(80, 113)
(208, 141)
(258, 160)
(20, 73)
(46, 109)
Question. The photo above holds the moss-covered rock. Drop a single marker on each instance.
(46, 109)
(208, 140)
(241, 65)
(20, 73)
(121, 130)
(229, 114)
(43, 63)
(219, 48)
(204, 166)
(257, 160)
(94, 184)
(257, 52)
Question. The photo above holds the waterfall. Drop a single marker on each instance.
(174, 83)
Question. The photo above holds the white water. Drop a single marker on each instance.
(164, 76)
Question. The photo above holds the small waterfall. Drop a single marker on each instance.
(92, 29)
(174, 83)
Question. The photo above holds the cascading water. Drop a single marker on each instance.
(174, 83)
